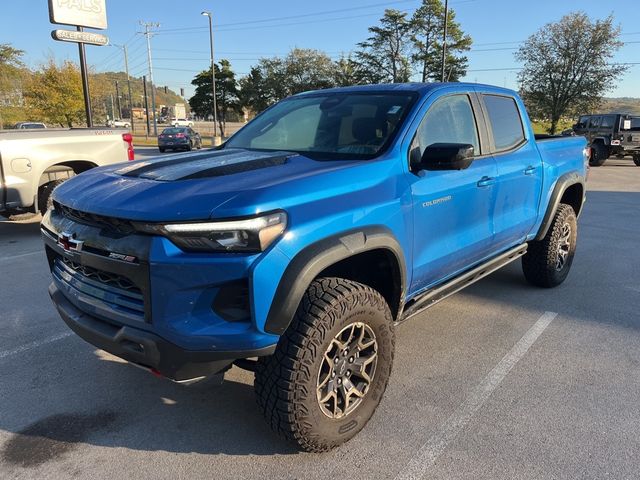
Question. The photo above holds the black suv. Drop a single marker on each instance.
(610, 134)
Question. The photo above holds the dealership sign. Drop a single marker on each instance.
(81, 13)
(80, 37)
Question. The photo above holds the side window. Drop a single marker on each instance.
(583, 121)
(595, 122)
(607, 121)
(506, 123)
(449, 120)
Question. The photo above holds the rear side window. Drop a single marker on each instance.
(607, 121)
(505, 120)
(449, 120)
(595, 122)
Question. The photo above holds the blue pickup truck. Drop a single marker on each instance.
(295, 248)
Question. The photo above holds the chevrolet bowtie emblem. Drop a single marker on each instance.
(68, 243)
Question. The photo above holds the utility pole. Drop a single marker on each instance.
(444, 37)
(118, 101)
(126, 69)
(147, 33)
(85, 81)
(213, 79)
(146, 102)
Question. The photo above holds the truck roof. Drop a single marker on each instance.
(420, 88)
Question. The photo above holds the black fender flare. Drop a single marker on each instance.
(315, 258)
(565, 181)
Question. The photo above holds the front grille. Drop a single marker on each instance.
(118, 225)
(111, 279)
(111, 290)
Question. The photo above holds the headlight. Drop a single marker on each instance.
(250, 235)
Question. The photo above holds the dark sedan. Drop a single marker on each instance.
(179, 138)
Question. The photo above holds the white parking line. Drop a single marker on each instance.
(427, 455)
(32, 345)
(12, 257)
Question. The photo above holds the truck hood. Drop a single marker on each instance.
(193, 186)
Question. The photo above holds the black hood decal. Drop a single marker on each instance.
(203, 165)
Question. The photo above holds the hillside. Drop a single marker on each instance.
(622, 105)
(108, 82)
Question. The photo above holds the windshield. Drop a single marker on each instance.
(332, 125)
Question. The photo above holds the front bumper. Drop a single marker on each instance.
(143, 299)
(147, 349)
(178, 142)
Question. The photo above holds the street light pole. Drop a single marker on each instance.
(213, 79)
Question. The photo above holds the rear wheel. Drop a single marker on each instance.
(599, 153)
(189, 146)
(331, 366)
(636, 160)
(548, 261)
(162, 149)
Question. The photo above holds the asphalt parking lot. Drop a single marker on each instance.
(500, 381)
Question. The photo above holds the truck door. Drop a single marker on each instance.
(519, 167)
(452, 210)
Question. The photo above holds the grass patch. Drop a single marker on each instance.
(543, 127)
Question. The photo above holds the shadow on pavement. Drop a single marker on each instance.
(125, 407)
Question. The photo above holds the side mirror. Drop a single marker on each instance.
(447, 156)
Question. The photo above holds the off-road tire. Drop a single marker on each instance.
(161, 149)
(286, 382)
(598, 155)
(636, 160)
(45, 201)
(540, 263)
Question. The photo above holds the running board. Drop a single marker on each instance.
(440, 292)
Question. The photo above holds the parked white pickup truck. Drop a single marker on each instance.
(34, 162)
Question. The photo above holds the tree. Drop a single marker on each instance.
(567, 66)
(54, 93)
(385, 55)
(12, 73)
(347, 72)
(253, 91)
(279, 77)
(226, 93)
(427, 26)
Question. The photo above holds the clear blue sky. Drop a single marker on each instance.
(242, 35)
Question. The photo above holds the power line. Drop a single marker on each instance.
(290, 17)
(222, 27)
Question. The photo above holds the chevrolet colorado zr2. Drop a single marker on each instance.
(295, 248)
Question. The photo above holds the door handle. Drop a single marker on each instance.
(486, 181)
(530, 170)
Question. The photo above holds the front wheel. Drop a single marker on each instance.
(548, 261)
(636, 160)
(45, 200)
(331, 366)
